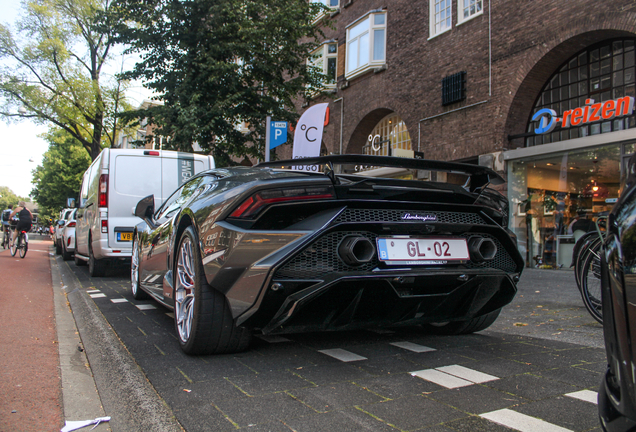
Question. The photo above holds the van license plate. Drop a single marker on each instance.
(431, 251)
(124, 236)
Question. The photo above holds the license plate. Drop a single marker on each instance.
(429, 251)
(124, 236)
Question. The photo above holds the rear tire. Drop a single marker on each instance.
(66, 255)
(24, 245)
(591, 290)
(203, 319)
(96, 268)
(463, 327)
(137, 292)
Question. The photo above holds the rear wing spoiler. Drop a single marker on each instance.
(480, 176)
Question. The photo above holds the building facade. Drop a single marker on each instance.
(508, 84)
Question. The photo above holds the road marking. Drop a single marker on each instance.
(273, 338)
(585, 395)
(441, 378)
(412, 347)
(342, 355)
(170, 314)
(145, 306)
(97, 295)
(467, 374)
(119, 300)
(92, 291)
(521, 422)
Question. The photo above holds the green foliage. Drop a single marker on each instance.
(60, 175)
(52, 67)
(218, 64)
(7, 196)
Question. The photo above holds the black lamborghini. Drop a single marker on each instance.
(273, 249)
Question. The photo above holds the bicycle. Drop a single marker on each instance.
(21, 243)
(6, 237)
(587, 270)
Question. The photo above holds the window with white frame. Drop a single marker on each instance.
(328, 3)
(325, 59)
(467, 9)
(440, 16)
(366, 44)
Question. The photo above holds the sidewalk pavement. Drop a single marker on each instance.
(46, 378)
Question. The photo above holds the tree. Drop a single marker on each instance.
(60, 175)
(53, 67)
(220, 64)
(7, 196)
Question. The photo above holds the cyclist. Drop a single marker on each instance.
(24, 219)
(6, 217)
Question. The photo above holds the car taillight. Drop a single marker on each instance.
(71, 224)
(263, 198)
(103, 190)
(68, 242)
(105, 226)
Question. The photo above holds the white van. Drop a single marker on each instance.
(111, 188)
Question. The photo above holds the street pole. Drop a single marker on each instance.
(268, 120)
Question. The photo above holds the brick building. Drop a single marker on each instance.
(462, 79)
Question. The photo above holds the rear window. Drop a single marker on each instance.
(137, 175)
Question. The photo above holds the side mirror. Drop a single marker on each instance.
(146, 208)
(60, 223)
(70, 202)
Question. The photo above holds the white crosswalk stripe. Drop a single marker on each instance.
(585, 395)
(412, 347)
(521, 422)
(100, 295)
(454, 376)
(342, 355)
(145, 306)
(119, 300)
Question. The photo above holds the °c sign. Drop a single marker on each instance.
(591, 112)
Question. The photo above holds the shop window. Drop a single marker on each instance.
(440, 16)
(366, 44)
(602, 72)
(388, 138)
(325, 59)
(468, 9)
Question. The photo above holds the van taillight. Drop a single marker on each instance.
(103, 190)
(71, 224)
(151, 153)
(261, 199)
(104, 226)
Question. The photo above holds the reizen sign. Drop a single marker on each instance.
(591, 112)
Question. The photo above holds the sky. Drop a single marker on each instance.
(21, 148)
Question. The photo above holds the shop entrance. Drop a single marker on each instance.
(556, 199)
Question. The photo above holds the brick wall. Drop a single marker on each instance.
(528, 39)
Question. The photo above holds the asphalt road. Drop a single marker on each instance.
(537, 368)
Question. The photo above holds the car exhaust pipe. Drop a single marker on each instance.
(481, 249)
(356, 250)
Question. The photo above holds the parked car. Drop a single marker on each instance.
(68, 236)
(239, 250)
(617, 395)
(59, 227)
(116, 180)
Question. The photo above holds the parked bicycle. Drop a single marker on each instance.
(21, 244)
(587, 269)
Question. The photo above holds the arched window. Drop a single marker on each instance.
(601, 72)
(389, 133)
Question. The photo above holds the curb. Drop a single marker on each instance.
(118, 384)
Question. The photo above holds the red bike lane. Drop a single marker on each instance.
(30, 383)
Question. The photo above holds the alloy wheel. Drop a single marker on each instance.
(184, 290)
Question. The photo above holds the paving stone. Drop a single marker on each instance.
(531, 387)
(413, 412)
(567, 412)
(336, 396)
(350, 420)
(476, 399)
